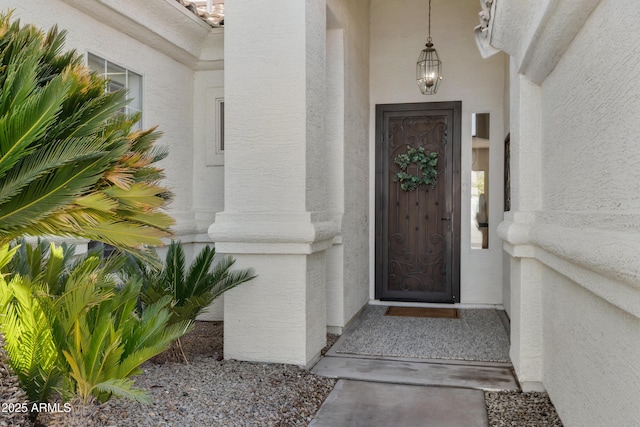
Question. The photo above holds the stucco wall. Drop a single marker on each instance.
(591, 365)
(573, 234)
(591, 170)
(208, 165)
(398, 34)
(167, 93)
(208, 161)
(352, 22)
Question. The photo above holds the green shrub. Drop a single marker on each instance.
(192, 289)
(28, 336)
(85, 339)
(70, 164)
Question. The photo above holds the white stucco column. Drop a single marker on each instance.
(275, 218)
(526, 190)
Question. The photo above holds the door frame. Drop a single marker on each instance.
(381, 183)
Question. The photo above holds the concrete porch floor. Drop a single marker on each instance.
(383, 390)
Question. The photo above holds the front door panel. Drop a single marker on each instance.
(417, 232)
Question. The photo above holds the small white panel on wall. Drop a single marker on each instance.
(214, 126)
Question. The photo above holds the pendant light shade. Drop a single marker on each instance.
(428, 70)
(429, 66)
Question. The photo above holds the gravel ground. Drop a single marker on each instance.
(212, 391)
(517, 409)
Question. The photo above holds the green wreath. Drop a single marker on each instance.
(426, 163)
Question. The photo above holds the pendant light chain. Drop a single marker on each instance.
(429, 37)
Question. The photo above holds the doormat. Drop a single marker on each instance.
(439, 313)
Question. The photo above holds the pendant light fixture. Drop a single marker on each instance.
(429, 66)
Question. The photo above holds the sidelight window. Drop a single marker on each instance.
(480, 124)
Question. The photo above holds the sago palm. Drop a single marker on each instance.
(194, 288)
(85, 338)
(191, 289)
(42, 262)
(28, 338)
(70, 163)
(104, 341)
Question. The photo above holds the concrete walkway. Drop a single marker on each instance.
(370, 404)
(391, 391)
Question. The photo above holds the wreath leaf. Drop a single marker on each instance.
(426, 162)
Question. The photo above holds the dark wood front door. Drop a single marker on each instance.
(418, 232)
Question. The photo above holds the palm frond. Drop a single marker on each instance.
(123, 388)
(29, 258)
(158, 220)
(97, 201)
(198, 270)
(46, 194)
(7, 253)
(191, 307)
(123, 233)
(173, 274)
(46, 158)
(28, 339)
(160, 342)
(231, 280)
(194, 290)
(20, 72)
(137, 195)
(53, 56)
(27, 122)
(56, 266)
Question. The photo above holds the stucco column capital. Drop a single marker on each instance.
(273, 232)
(515, 231)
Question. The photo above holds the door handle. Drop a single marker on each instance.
(448, 219)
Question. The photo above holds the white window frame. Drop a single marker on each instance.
(215, 128)
(219, 132)
(128, 109)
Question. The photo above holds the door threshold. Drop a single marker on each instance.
(434, 305)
